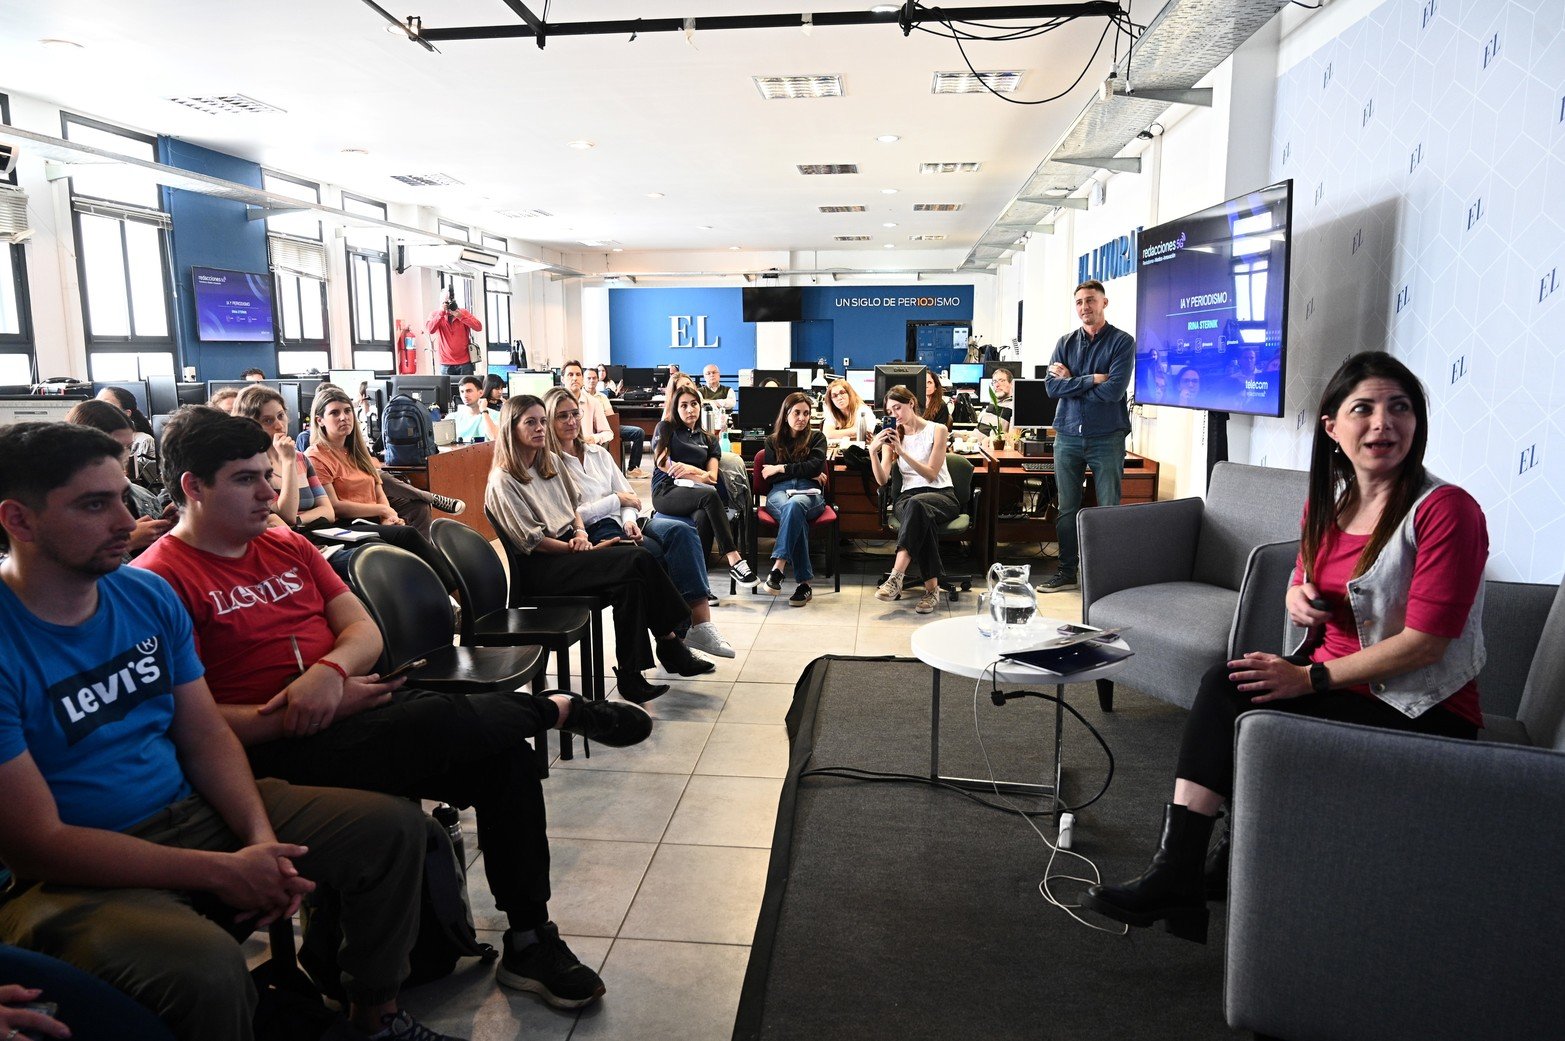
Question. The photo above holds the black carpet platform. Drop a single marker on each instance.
(904, 911)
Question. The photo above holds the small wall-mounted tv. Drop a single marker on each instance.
(1212, 306)
(773, 304)
(232, 306)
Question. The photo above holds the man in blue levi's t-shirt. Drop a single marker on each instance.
(127, 808)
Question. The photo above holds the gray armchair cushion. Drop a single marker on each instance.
(1246, 506)
(1179, 630)
(1393, 886)
(1513, 618)
(1542, 708)
(1127, 546)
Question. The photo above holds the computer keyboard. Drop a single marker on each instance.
(1037, 467)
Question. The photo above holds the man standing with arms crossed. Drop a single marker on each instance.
(1089, 373)
(451, 327)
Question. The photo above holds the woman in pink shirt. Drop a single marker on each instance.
(1389, 583)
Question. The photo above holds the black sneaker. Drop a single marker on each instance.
(611, 723)
(743, 577)
(712, 600)
(446, 504)
(549, 969)
(801, 595)
(675, 657)
(398, 1026)
(773, 584)
(633, 687)
(1059, 582)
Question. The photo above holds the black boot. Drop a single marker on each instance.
(1173, 889)
(1217, 868)
(633, 687)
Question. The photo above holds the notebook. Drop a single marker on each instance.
(1065, 660)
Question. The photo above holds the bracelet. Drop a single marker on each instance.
(333, 666)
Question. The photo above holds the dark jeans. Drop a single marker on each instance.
(92, 1009)
(634, 440)
(687, 502)
(644, 598)
(464, 749)
(1072, 455)
(921, 513)
(1206, 752)
(465, 369)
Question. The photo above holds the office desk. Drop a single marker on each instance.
(461, 472)
(1004, 470)
(643, 414)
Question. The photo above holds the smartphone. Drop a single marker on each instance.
(1076, 630)
(409, 667)
(889, 423)
(47, 1008)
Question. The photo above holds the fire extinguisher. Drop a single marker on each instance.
(407, 349)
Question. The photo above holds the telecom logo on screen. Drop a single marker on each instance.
(1158, 252)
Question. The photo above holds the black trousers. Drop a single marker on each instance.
(687, 502)
(464, 749)
(921, 513)
(1206, 751)
(644, 597)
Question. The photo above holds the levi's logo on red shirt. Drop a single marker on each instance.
(269, 591)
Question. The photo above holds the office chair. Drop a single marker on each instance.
(961, 527)
(828, 519)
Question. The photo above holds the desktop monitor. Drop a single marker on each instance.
(772, 378)
(307, 388)
(906, 374)
(162, 394)
(137, 388)
(661, 374)
(967, 374)
(803, 375)
(535, 383)
(638, 378)
(213, 386)
(349, 379)
(292, 395)
(191, 393)
(989, 366)
(1031, 406)
(863, 381)
(759, 406)
(431, 390)
(614, 373)
(47, 409)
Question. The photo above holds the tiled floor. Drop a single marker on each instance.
(660, 851)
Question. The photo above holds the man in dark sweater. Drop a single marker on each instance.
(1089, 373)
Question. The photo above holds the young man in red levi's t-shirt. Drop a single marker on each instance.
(255, 591)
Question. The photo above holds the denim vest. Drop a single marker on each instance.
(1379, 601)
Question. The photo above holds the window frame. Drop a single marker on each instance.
(98, 343)
(21, 342)
(371, 255)
(490, 325)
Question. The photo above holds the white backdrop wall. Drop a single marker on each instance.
(1427, 146)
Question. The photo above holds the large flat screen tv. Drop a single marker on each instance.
(232, 306)
(773, 304)
(1212, 306)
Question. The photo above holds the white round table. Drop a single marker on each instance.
(956, 646)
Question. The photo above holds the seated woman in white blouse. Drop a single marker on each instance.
(917, 448)
(611, 511)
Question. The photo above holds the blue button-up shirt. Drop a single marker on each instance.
(1088, 409)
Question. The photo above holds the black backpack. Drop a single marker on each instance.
(407, 433)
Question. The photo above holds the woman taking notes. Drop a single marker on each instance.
(686, 478)
(609, 509)
(917, 449)
(1390, 582)
(794, 476)
(847, 418)
(533, 502)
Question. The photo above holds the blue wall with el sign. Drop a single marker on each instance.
(696, 327)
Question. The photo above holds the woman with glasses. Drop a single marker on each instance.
(610, 509)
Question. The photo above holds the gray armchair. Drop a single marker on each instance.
(1372, 869)
(1199, 581)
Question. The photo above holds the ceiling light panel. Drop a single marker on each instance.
(943, 168)
(851, 238)
(788, 88)
(429, 180)
(827, 169)
(524, 214)
(936, 207)
(841, 209)
(926, 238)
(228, 105)
(964, 82)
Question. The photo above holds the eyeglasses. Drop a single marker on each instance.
(571, 416)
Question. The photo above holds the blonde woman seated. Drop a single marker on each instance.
(794, 475)
(610, 511)
(847, 417)
(301, 498)
(533, 502)
(917, 449)
(687, 479)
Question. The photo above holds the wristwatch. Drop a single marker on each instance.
(1320, 679)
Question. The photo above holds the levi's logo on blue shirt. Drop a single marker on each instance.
(108, 692)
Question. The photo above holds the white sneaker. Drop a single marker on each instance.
(705, 637)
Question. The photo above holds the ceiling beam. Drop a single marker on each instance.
(905, 18)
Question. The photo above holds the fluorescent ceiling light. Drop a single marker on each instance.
(825, 169)
(946, 168)
(936, 207)
(228, 105)
(964, 82)
(841, 209)
(851, 238)
(792, 88)
(430, 180)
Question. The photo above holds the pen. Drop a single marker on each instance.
(297, 657)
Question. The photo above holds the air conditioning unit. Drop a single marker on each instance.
(13, 215)
(8, 155)
(449, 257)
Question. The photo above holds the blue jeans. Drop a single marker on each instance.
(674, 543)
(92, 1009)
(794, 516)
(464, 369)
(1072, 455)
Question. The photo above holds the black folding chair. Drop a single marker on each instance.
(488, 622)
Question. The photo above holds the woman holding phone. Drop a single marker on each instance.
(611, 511)
(532, 499)
(915, 448)
(794, 475)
